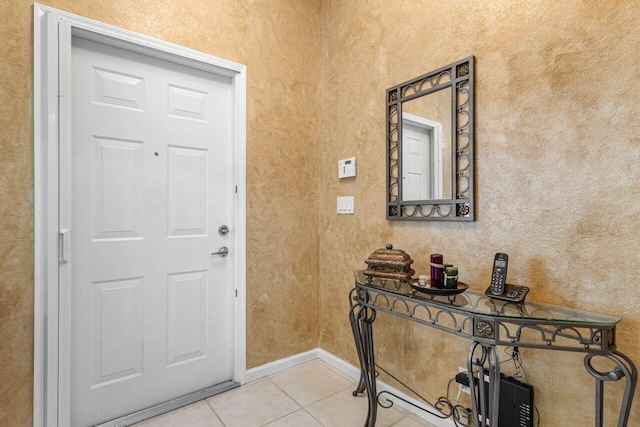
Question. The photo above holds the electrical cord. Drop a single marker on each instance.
(458, 409)
(514, 356)
(439, 405)
(455, 409)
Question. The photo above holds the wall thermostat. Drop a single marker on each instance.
(347, 168)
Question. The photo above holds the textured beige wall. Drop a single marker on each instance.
(279, 41)
(558, 148)
(558, 154)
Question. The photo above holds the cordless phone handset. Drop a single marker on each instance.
(499, 274)
(499, 289)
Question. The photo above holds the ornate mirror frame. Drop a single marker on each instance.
(458, 76)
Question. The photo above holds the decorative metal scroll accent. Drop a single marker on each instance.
(393, 151)
(463, 210)
(459, 77)
(424, 83)
(508, 331)
(428, 211)
(624, 368)
(443, 406)
(463, 70)
(463, 140)
(561, 337)
(484, 329)
(419, 311)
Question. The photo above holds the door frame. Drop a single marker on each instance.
(53, 31)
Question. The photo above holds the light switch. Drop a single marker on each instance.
(347, 168)
(345, 205)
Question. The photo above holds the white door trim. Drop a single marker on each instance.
(51, 119)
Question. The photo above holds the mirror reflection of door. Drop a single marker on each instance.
(421, 158)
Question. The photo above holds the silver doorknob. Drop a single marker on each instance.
(223, 251)
(223, 229)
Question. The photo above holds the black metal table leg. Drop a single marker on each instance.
(366, 321)
(357, 337)
(624, 367)
(483, 416)
(494, 384)
(361, 319)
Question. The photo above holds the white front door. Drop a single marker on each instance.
(151, 183)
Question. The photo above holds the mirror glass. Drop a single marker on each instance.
(430, 146)
(426, 147)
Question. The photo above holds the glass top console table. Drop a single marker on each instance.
(488, 323)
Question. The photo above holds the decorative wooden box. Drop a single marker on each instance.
(389, 263)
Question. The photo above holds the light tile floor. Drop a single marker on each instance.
(310, 395)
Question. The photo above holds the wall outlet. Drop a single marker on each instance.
(463, 380)
(463, 388)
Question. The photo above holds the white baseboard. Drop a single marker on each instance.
(352, 372)
(280, 365)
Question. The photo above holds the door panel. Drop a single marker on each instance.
(151, 183)
(118, 178)
(114, 88)
(188, 180)
(187, 314)
(187, 103)
(116, 338)
(416, 161)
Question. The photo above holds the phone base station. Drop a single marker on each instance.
(512, 293)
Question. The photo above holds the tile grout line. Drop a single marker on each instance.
(267, 378)
(352, 383)
(340, 391)
(214, 412)
(288, 395)
(338, 371)
(420, 421)
(304, 408)
(322, 398)
(293, 368)
(326, 397)
(311, 415)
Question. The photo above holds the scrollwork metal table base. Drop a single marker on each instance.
(488, 324)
